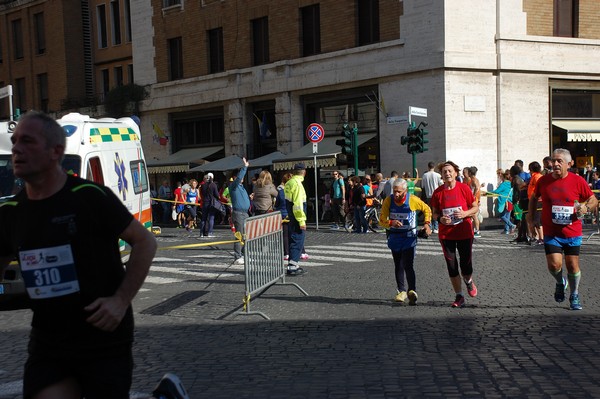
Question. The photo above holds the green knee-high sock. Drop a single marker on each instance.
(574, 282)
(558, 275)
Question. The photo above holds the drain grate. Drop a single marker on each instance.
(173, 303)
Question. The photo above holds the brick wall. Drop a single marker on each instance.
(62, 60)
(540, 18)
(589, 15)
(338, 30)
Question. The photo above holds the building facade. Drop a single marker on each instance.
(61, 55)
(500, 79)
(494, 76)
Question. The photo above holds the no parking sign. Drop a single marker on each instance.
(315, 133)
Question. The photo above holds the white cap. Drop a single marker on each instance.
(210, 175)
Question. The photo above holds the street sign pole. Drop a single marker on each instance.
(414, 166)
(355, 148)
(315, 133)
(315, 152)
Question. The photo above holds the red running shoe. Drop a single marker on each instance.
(459, 302)
(471, 288)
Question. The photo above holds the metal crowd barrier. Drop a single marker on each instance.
(263, 257)
(590, 223)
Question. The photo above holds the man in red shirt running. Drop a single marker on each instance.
(564, 196)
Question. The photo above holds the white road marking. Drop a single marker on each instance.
(162, 280)
(11, 388)
(188, 272)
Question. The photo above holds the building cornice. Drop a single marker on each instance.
(6, 5)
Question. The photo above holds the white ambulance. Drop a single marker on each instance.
(107, 151)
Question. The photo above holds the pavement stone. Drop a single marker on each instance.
(348, 339)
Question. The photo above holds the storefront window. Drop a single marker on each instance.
(570, 107)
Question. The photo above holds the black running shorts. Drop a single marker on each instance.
(99, 378)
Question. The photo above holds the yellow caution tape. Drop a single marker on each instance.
(246, 302)
(237, 234)
(176, 202)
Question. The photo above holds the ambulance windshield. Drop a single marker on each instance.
(9, 185)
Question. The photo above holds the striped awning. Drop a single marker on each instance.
(180, 161)
(220, 165)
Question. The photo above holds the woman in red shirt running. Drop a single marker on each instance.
(453, 204)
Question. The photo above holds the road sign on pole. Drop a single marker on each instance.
(7, 91)
(416, 111)
(395, 120)
(315, 133)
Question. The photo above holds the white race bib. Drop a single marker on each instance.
(403, 218)
(49, 272)
(562, 214)
(450, 213)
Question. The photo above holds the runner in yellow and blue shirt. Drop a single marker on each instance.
(399, 218)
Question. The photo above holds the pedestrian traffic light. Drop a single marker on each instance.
(346, 142)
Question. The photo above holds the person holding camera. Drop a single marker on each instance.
(399, 218)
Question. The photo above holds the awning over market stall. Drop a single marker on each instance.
(220, 165)
(266, 160)
(327, 150)
(579, 129)
(180, 161)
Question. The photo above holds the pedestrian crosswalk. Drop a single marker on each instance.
(214, 265)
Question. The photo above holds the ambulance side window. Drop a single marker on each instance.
(94, 170)
(139, 176)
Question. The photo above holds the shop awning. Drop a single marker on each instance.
(220, 165)
(180, 161)
(579, 129)
(266, 160)
(325, 157)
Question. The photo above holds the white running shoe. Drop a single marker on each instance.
(170, 387)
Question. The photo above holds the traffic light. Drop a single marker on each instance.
(346, 143)
(415, 138)
(421, 133)
(411, 139)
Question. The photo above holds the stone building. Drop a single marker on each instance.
(500, 80)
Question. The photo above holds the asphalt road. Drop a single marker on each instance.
(348, 339)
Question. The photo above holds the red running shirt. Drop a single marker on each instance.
(446, 201)
(558, 204)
